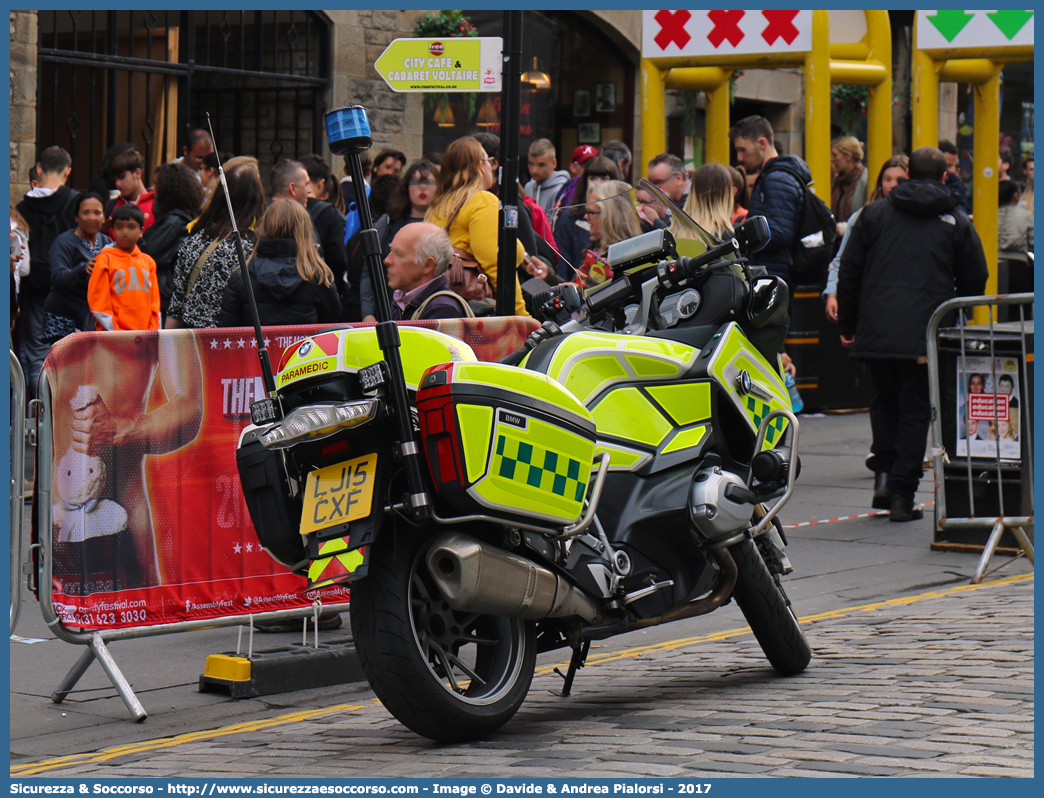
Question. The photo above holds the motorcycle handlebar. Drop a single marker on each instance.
(672, 272)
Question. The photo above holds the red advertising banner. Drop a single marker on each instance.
(149, 523)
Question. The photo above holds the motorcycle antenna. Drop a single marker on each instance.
(348, 133)
(262, 351)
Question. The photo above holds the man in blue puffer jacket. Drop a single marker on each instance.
(778, 193)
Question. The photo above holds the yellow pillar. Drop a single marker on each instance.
(925, 97)
(985, 183)
(717, 150)
(817, 105)
(879, 96)
(654, 118)
(714, 83)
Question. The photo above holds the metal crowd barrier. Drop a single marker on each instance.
(510, 332)
(95, 641)
(18, 394)
(997, 524)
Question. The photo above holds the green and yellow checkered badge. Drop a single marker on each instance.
(537, 467)
(758, 410)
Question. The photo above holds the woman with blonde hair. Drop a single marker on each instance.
(465, 208)
(292, 284)
(612, 218)
(712, 199)
(848, 188)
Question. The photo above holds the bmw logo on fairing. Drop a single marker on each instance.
(744, 382)
(306, 347)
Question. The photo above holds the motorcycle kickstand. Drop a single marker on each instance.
(575, 664)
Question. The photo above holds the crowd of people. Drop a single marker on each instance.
(436, 220)
(124, 255)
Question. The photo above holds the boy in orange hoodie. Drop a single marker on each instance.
(123, 292)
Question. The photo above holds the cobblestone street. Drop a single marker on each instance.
(934, 684)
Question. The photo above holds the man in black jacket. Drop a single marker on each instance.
(906, 256)
(326, 219)
(778, 193)
(49, 208)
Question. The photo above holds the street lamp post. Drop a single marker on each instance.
(510, 99)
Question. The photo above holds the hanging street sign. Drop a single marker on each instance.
(450, 64)
(668, 34)
(945, 30)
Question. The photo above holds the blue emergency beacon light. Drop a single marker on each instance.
(348, 130)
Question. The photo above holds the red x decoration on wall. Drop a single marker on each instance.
(672, 28)
(726, 26)
(780, 25)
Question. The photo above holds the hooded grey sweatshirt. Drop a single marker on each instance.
(546, 193)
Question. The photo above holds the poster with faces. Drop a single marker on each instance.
(988, 406)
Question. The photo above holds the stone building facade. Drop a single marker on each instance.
(23, 100)
(357, 37)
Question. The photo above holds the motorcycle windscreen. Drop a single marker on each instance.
(615, 212)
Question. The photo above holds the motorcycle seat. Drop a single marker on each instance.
(696, 336)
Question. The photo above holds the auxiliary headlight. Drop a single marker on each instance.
(318, 421)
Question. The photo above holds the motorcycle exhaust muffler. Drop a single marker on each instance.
(476, 577)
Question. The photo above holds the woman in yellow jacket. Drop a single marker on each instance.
(462, 199)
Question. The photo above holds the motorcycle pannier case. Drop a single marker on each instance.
(505, 441)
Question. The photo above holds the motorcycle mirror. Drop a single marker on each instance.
(753, 234)
(769, 302)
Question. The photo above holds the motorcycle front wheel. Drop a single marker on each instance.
(447, 675)
(767, 610)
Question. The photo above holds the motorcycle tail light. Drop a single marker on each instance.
(318, 421)
(447, 468)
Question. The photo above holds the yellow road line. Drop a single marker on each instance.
(671, 645)
(33, 768)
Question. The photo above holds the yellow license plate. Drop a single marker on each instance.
(338, 494)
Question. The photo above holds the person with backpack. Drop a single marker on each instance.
(50, 210)
(802, 227)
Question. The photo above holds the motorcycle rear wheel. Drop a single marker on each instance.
(449, 676)
(767, 610)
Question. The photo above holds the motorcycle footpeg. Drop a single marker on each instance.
(647, 591)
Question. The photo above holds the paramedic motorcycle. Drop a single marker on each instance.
(626, 473)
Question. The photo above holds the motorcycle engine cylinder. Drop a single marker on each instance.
(716, 508)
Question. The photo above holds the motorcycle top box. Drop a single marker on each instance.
(348, 351)
(501, 440)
